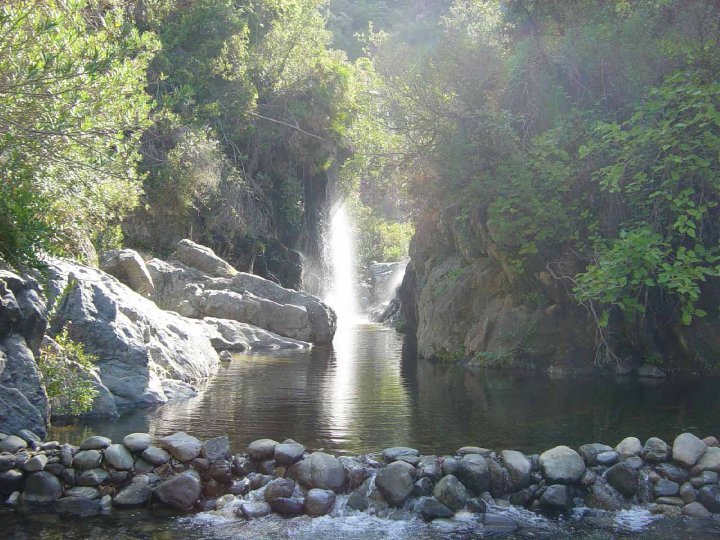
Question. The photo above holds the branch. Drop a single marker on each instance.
(297, 128)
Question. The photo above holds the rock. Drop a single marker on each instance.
(137, 442)
(221, 471)
(138, 345)
(288, 506)
(77, 507)
(92, 477)
(589, 452)
(155, 456)
(136, 494)
(225, 356)
(33, 439)
(623, 478)
(181, 491)
(705, 478)
(36, 463)
(216, 448)
(141, 466)
(119, 478)
(203, 258)
(687, 449)
(634, 462)
(95, 442)
(423, 487)
(430, 467)
(666, 488)
(87, 459)
(41, 488)
(129, 268)
(562, 465)
(280, 487)
(287, 454)
(105, 505)
(451, 527)
(602, 495)
(431, 509)
(474, 473)
(667, 510)
(181, 446)
(670, 501)
(392, 454)
(709, 497)
(262, 449)
(68, 476)
(10, 481)
(395, 482)
(672, 472)
(319, 502)
(710, 461)
(234, 336)
(12, 444)
(119, 457)
(465, 450)
(7, 461)
(655, 450)
(555, 498)
(83, 493)
(711, 442)
(518, 467)
(254, 510)
(697, 510)
(607, 459)
(450, 492)
(66, 454)
(358, 501)
(50, 446)
(688, 493)
(319, 470)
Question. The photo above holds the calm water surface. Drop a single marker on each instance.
(368, 393)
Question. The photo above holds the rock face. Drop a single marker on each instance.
(203, 258)
(241, 297)
(128, 266)
(227, 335)
(23, 320)
(562, 465)
(140, 348)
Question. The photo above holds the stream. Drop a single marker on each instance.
(369, 392)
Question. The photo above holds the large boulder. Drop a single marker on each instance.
(135, 494)
(228, 335)
(629, 447)
(319, 502)
(518, 467)
(624, 478)
(181, 446)
(22, 309)
(709, 497)
(562, 465)
(128, 266)
(451, 493)
(395, 482)
(140, 348)
(41, 488)
(655, 450)
(244, 298)
(17, 413)
(319, 470)
(118, 456)
(710, 461)
(687, 449)
(474, 473)
(181, 491)
(203, 258)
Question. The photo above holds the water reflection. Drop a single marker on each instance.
(370, 392)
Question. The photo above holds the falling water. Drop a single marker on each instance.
(340, 252)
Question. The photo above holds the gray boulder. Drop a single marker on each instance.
(262, 449)
(36, 463)
(687, 449)
(672, 472)
(562, 465)
(137, 344)
(655, 450)
(450, 492)
(92, 477)
(623, 478)
(431, 509)
(280, 487)
(216, 448)
(95, 442)
(589, 452)
(203, 258)
(22, 310)
(254, 509)
(12, 444)
(666, 488)
(518, 467)
(129, 268)
(629, 447)
(181, 491)
(137, 442)
(136, 494)
(710, 461)
(119, 457)
(83, 493)
(77, 507)
(319, 502)
(607, 459)
(87, 459)
(229, 335)
(395, 482)
(474, 473)
(288, 506)
(392, 454)
(709, 497)
(696, 510)
(41, 488)
(319, 470)
(286, 454)
(181, 446)
(10, 481)
(155, 456)
(556, 498)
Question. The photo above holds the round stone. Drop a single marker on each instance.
(137, 442)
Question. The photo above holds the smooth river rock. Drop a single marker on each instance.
(624, 478)
(41, 488)
(118, 456)
(319, 502)
(451, 492)
(319, 470)
(474, 473)
(87, 459)
(181, 446)
(395, 482)
(262, 449)
(181, 491)
(710, 461)
(137, 442)
(136, 494)
(629, 447)
(562, 465)
(687, 449)
(655, 450)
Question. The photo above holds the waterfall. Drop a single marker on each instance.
(340, 292)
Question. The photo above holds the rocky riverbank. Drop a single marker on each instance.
(181, 472)
(155, 329)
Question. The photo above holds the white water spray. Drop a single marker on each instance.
(340, 251)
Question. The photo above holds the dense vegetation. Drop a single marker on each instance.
(587, 134)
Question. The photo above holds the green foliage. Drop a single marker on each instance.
(64, 372)
(378, 239)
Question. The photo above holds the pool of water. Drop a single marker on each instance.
(369, 392)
